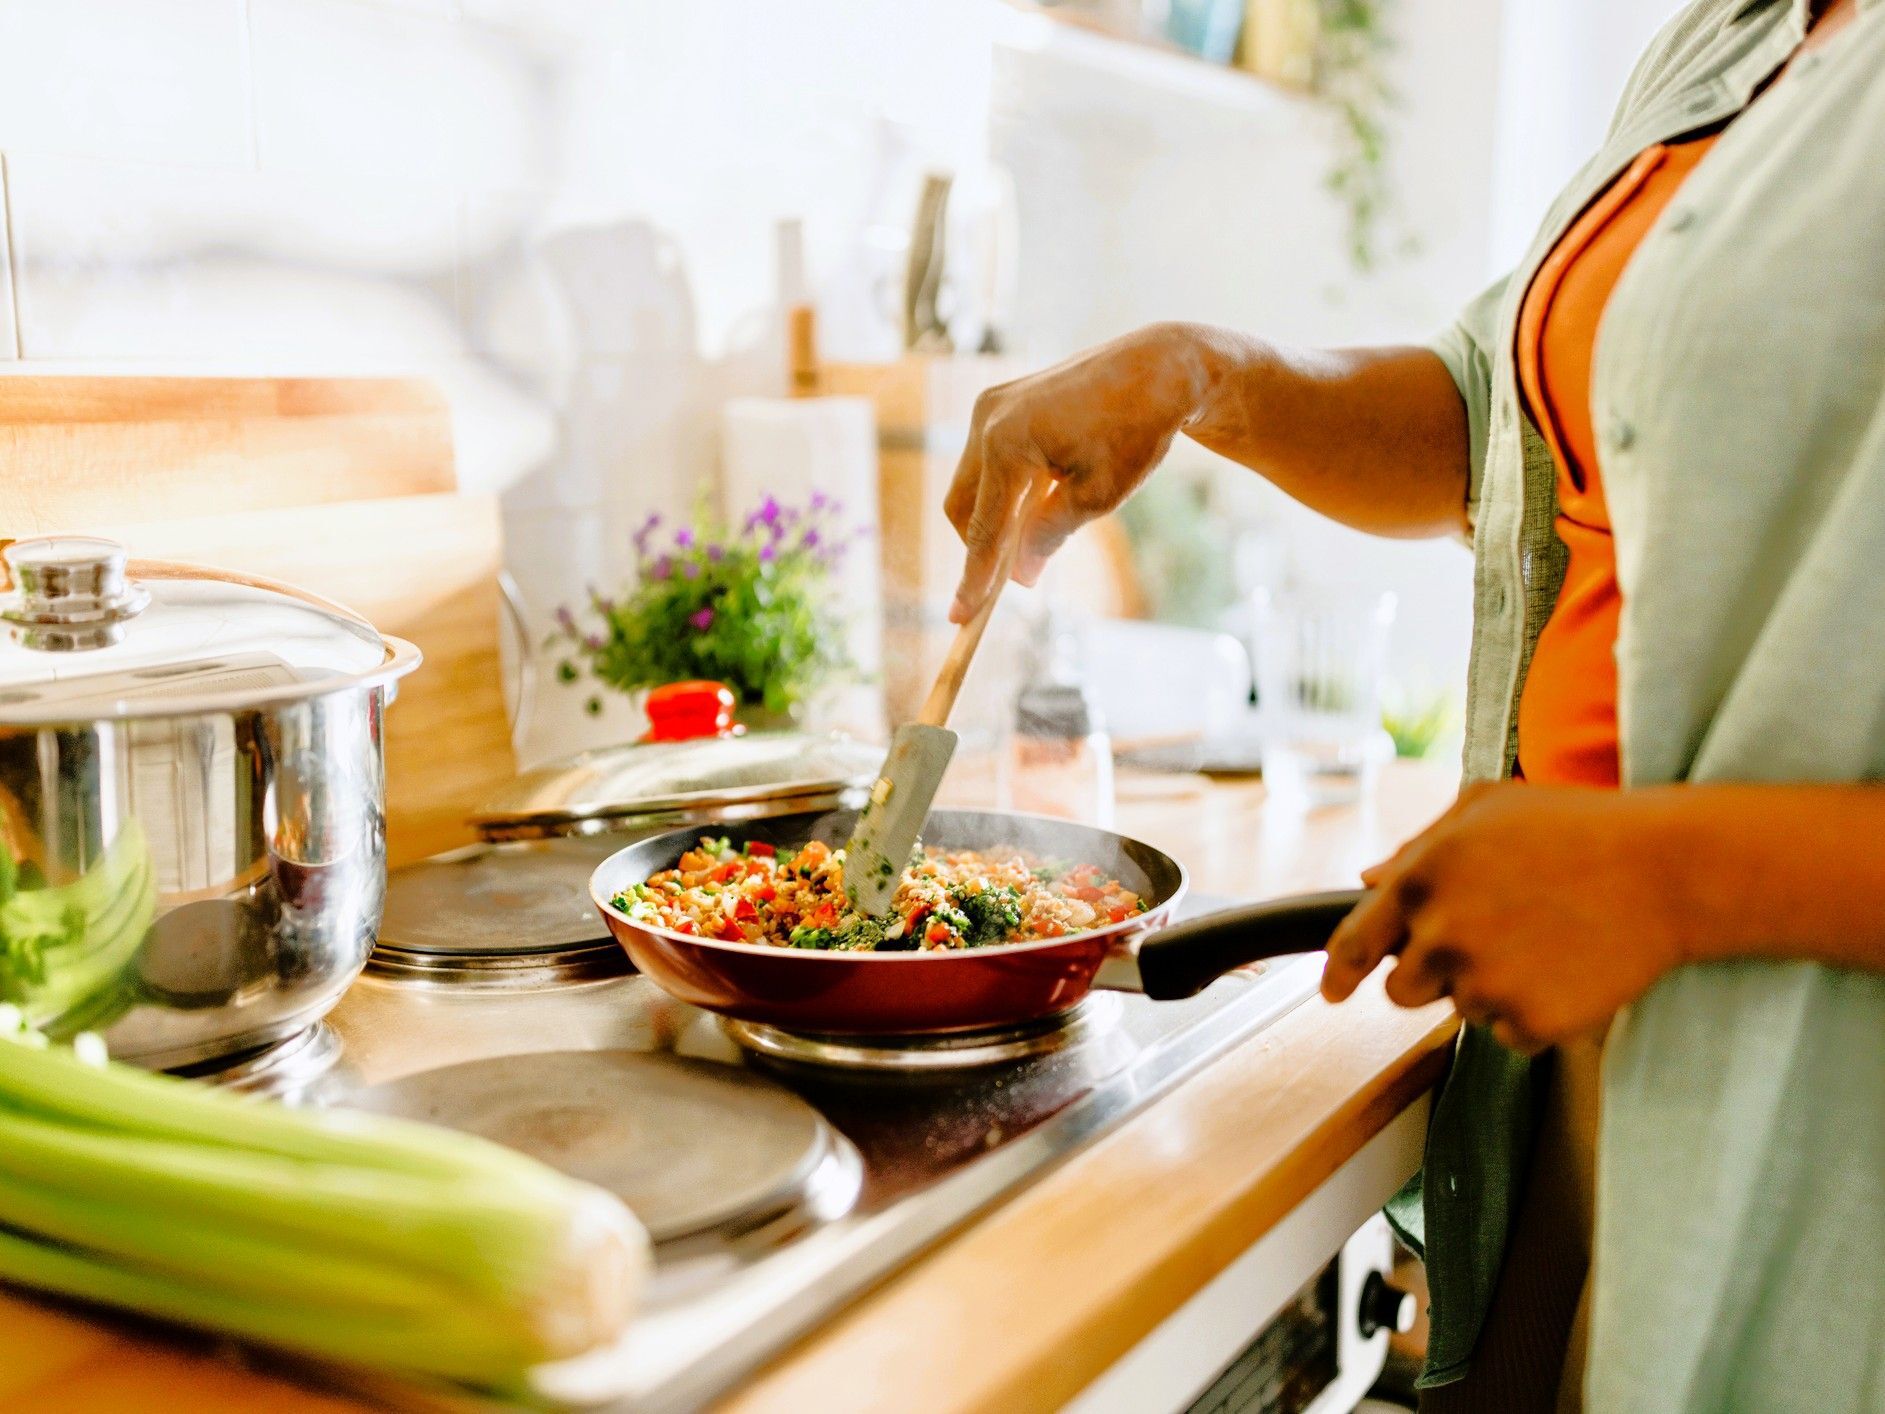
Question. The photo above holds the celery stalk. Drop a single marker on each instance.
(56, 1085)
(245, 1264)
(488, 1240)
(438, 1345)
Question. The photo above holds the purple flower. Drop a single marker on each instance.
(565, 620)
(810, 541)
(701, 619)
(768, 512)
(820, 500)
(683, 539)
(661, 568)
(716, 553)
(690, 569)
(594, 642)
(647, 529)
(766, 552)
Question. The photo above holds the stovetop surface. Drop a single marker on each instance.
(909, 1157)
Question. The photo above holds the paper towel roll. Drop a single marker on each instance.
(791, 447)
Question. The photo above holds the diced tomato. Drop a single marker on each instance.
(1086, 893)
(937, 932)
(765, 893)
(1119, 913)
(732, 869)
(759, 849)
(823, 916)
(684, 925)
(729, 932)
(744, 909)
(815, 853)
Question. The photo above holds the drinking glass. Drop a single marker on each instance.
(1320, 658)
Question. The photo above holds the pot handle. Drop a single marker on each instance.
(1180, 961)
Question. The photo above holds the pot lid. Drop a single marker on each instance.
(693, 767)
(88, 634)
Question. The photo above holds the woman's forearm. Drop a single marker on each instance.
(1774, 871)
(1375, 438)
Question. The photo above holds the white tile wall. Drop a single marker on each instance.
(164, 80)
(341, 86)
(563, 210)
(128, 261)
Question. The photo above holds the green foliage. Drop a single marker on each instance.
(1417, 726)
(749, 606)
(1349, 74)
(990, 914)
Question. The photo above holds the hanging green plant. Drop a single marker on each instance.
(1351, 74)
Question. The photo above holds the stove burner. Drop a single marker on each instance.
(692, 1147)
(512, 915)
(280, 1070)
(957, 1050)
(520, 972)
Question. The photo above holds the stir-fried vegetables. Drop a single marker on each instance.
(947, 899)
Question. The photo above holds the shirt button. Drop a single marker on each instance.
(1622, 436)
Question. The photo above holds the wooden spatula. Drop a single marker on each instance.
(887, 831)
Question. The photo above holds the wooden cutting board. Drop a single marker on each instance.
(342, 486)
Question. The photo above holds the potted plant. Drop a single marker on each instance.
(749, 605)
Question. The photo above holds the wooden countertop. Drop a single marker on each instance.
(1027, 1305)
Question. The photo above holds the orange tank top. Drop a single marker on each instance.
(1567, 714)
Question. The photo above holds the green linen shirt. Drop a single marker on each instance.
(1738, 395)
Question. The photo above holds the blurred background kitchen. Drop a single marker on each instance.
(728, 262)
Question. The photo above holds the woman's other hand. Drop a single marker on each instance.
(1541, 910)
(1097, 424)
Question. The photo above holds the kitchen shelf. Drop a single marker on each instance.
(1144, 62)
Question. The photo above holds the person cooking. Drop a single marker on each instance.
(1674, 825)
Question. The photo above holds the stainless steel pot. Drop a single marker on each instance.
(192, 800)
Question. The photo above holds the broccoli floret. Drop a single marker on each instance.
(860, 934)
(817, 939)
(988, 915)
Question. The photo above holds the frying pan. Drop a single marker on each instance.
(926, 993)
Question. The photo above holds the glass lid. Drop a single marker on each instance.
(675, 782)
(696, 765)
(88, 634)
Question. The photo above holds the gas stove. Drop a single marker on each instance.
(780, 1175)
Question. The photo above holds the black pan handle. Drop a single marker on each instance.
(1180, 961)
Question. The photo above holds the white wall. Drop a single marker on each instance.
(1563, 64)
(563, 209)
(1147, 202)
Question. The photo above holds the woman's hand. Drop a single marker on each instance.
(1375, 438)
(1541, 910)
(1098, 424)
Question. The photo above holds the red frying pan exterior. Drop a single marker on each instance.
(886, 994)
(929, 993)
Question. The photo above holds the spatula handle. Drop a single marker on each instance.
(955, 667)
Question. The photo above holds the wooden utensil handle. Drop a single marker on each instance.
(955, 667)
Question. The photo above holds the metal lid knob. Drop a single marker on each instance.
(70, 592)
